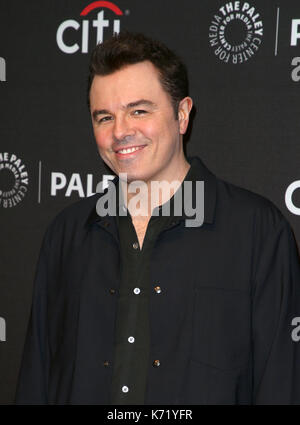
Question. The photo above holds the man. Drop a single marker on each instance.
(138, 307)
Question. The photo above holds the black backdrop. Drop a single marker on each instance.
(246, 121)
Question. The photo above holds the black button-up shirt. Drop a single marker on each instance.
(132, 339)
(223, 327)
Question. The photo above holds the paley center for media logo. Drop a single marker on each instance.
(13, 180)
(236, 32)
(73, 36)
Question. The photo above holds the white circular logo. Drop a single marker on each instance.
(236, 32)
(13, 180)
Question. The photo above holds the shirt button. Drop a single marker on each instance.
(125, 389)
(157, 289)
(112, 291)
(156, 363)
(106, 363)
(135, 245)
(136, 291)
(131, 339)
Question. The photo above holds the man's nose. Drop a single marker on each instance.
(122, 128)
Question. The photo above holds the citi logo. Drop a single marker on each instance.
(2, 69)
(72, 36)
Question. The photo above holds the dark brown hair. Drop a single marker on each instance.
(129, 48)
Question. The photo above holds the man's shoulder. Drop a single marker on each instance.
(245, 204)
(79, 209)
(74, 217)
(235, 203)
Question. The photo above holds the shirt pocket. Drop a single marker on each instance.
(206, 384)
(221, 335)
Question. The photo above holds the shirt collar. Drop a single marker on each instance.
(197, 172)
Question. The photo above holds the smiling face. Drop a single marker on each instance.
(134, 124)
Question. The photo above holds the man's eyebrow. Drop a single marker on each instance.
(97, 112)
(141, 102)
(128, 106)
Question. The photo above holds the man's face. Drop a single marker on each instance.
(131, 110)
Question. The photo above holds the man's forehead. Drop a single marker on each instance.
(127, 86)
(140, 76)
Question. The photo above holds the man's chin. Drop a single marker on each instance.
(132, 177)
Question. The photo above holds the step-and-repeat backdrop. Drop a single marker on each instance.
(243, 59)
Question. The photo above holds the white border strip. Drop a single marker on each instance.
(277, 26)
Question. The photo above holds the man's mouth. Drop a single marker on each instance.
(129, 151)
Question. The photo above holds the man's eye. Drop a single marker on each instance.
(139, 112)
(103, 119)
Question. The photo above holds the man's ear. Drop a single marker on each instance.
(184, 110)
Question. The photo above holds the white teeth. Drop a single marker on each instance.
(128, 150)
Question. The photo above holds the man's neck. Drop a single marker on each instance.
(149, 195)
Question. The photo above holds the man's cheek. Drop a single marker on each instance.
(103, 141)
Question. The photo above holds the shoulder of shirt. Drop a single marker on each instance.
(73, 218)
(248, 205)
(234, 203)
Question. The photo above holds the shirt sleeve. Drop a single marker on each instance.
(275, 303)
(33, 374)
